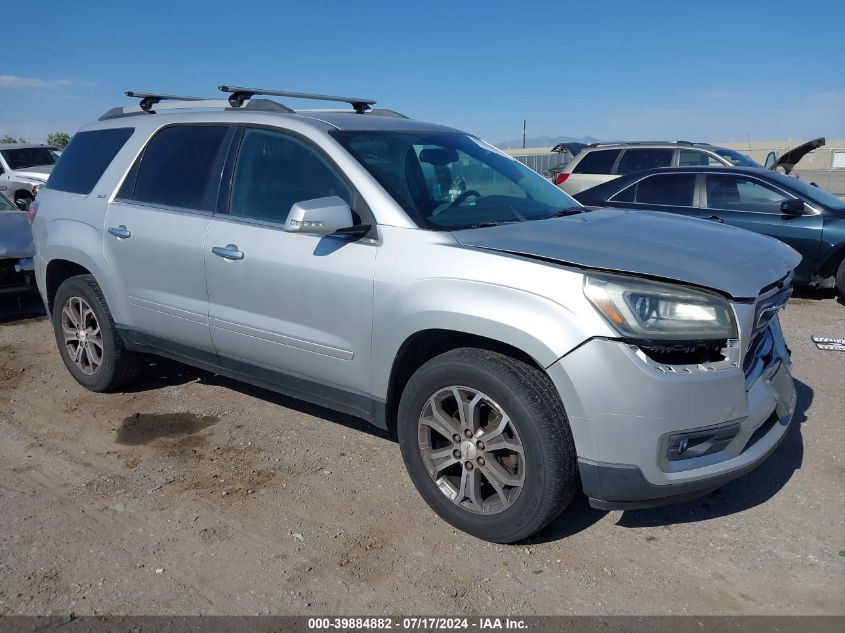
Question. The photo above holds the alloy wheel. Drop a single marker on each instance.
(82, 337)
(472, 450)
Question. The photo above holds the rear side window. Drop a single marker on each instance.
(86, 158)
(694, 158)
(637, 159)
(672, 190)
(598, 162)
(177, 169)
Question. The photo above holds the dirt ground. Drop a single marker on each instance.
(193, 494)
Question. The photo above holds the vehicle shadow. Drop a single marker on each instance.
(755, 488)
(21, 307)
(806, 294)
(161, 372)
(748, 491)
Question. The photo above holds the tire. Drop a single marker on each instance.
(544, 474)
(81, 296)
(840, 280)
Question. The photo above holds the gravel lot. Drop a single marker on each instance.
(192, 494)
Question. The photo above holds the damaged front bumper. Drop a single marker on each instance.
(648, 434)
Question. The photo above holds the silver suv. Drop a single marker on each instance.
(602, 162)
(415, 276)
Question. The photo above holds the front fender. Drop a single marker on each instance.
(536, 325)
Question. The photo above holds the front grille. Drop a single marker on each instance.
(760, 353)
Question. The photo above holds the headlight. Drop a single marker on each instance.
(648, 310)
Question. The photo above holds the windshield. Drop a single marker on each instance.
(816, 194)
(448, 181)
(737, 159)
(30, 157)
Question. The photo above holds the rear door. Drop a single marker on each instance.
(753, 204)
(670, 193)
(155, 231)
(293, 307)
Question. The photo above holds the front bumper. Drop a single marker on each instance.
(623, 410)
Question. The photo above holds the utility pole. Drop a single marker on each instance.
(523, 133)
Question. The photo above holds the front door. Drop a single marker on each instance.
(670, 193)
(751, 204)
(292, 307)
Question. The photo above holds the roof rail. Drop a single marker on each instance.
(240, 95)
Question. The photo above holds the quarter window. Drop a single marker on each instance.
(86, 158)
(598, 162)
(694, 158)
(274, 171)
(637, 159)
(732, 193)
(180, 168)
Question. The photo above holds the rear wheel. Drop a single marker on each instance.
(87, 338)
(487, 444)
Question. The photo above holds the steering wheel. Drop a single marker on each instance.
(464, 196)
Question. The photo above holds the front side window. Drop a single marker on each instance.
(25, 157)
(448, 181)
(673, 190)
(694, 158)
(638, 159)
(86, 158)
(735, 193)
(597, 162)
(180, 168)
(274, 171)
(6, 204)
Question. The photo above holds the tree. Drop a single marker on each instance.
(58, 139)
(11, 139)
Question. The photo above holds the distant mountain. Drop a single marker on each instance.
(546, 141)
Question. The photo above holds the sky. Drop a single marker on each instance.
(698, 70)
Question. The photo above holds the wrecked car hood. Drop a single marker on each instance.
(789, 159)
(15, 235)
(35, 173)
(734, 261)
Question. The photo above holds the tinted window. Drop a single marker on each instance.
(637, 159)
(85, 159)
(6, 205)
(693, 157)
(675, 190)
(274, 171)
(735, 193)
(598, 162)
(626, 195)
(30, 157)
(178, 166)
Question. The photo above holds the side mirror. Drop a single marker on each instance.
(320, 216)
(21, 204)
(792, 207)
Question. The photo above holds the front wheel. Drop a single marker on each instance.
(840, 280)
(487, 444)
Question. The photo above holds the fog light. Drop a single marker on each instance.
(699, 443)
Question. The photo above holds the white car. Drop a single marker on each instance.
(24, 168)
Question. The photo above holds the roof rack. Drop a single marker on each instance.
(240, 95)
(683, 143)
(149, 99)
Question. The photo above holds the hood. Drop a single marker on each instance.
(789, 159)
(15, 235)
(40, 172)
(734, 261)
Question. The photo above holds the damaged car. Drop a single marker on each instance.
(16, 249)
(24, 168)
(523, 350)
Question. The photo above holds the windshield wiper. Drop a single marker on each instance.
(567, 211)
(482, 225)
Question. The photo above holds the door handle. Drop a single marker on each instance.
(120, 232)
(230, 251)
(715, 218)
